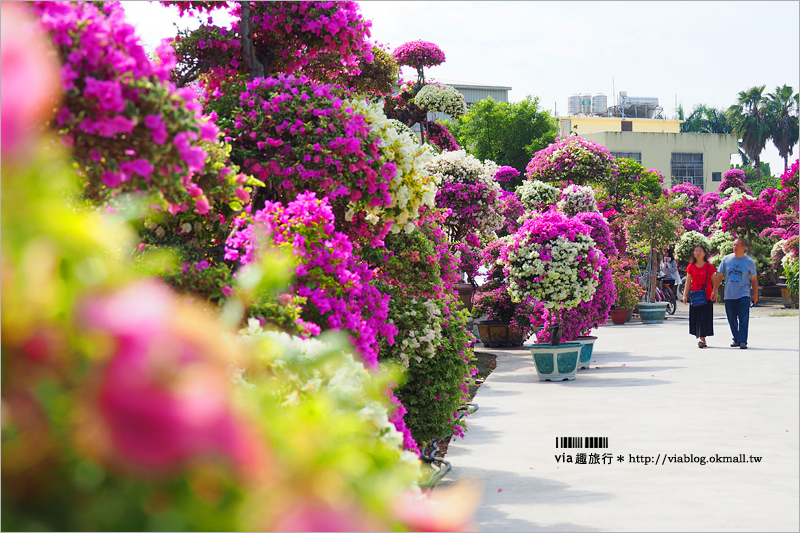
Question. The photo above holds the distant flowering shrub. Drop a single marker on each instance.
(690, 224)
(788, 199)
(707, 211)
(747, 217)
(600, 232)
(511, 208)
(552, 260)
(769, 196)
(686, 195)
(441, 99)
(439, 135)
(537, 195)
(784, 252)
(572, 159)
(576, 199)
(329, 274)
(468, 188)
(688, 242)
(506, 173)
(734, 178)
(419, 54)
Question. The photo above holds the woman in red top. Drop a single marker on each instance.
(700, 274)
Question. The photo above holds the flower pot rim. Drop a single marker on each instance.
(588, 337)
(570, 344)
(655, 304)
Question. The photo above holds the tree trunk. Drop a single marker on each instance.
(254, 67)
(651, 296)
(757, 160)
(785, 163)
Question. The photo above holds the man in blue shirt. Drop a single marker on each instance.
(739, 271)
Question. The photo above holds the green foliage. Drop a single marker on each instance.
(507, 133)
(750, 121)
(633, 179)
(435, 387)
(750, 175)
(706, 119)
(792, 274)
(783, 108)
(376, 78)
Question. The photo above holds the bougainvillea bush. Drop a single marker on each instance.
(418, 55)
(572, 159)
(626, 286)
(576, 199)
(734, 178)
(506, 173)
(297, 136)
(493, 299)
(330, 275)
(600, 232)
(747, 217)
(439, 98)
(468, 188)
(538, 196)
(687, 243)
(551, 259)
(440, 136)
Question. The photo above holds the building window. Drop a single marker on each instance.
(687, 167)
(716, 176)
(636, 156)
(627, 125)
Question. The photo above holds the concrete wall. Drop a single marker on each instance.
(598, 124)
(657, 150)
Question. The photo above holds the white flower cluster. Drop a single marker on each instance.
(424, 339)
(411, 188)
(576, 199)
(312, 365)
(733, 195)
(536, 194)
(441, 99)
(689, 241)
(561, 286)
(459, 167)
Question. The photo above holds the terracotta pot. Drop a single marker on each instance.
(498, 334)
(618, 316)
(465, 292)
(790, 300)
(629, 315)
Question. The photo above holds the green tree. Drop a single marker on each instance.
(782, 109)
(706, 119)
(757, 185)
(750, 122)
(507, 133)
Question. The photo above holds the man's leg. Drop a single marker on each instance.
(744, 317)
(732, 310)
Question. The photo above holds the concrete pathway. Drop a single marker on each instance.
(652, 393)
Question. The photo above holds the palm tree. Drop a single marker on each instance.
(783, 106)
(706, 119)
(750, 122)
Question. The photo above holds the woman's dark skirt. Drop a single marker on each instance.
(701, 320)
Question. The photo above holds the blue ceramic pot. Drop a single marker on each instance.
(556, 363)
(652, 313)
(586, 351)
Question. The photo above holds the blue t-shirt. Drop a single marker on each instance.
(737, 271)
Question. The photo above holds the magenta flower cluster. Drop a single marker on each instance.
(418, 54)
(440, 136)
(329, 274)
(747, 217)
(506, 173)
(734, 178)
(105, 76)
(511, 209)
(304, 136)
(600, 231)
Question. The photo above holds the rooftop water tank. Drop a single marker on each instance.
(586, 103)
(574, 104)
(599, 104)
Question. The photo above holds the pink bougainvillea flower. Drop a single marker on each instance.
(29, 82)
(164, 393)
(446, 509)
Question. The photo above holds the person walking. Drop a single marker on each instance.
(701, 293)
(740, 275)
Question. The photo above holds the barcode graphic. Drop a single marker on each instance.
(581, 442)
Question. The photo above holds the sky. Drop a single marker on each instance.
(697, 52)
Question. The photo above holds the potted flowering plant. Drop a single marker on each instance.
(553, 261)
(651, 228)
(508, 323)
(572, 159)
(627, 290)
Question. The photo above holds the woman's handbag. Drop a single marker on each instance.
(697, 298)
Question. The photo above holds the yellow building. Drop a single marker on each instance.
(700, 158)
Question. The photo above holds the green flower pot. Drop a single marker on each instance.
(556, 363)
(586, 351)
(652, 313)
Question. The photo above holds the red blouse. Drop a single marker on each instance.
(699, 277)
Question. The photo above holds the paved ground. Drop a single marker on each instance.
(652, 392)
